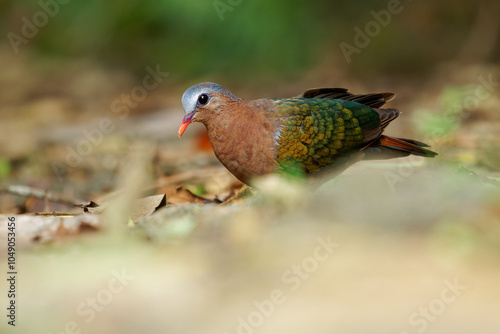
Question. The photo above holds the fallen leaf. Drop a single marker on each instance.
(183, 196)
(145, 206)
(31, 228)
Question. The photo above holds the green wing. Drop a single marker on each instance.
(314, 133)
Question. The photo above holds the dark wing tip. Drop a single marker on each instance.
(324, 93)
(374, 100)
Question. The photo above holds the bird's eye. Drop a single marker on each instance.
(202, 99)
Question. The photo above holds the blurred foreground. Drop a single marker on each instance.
(354, 257)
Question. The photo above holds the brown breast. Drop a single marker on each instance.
(243, 139)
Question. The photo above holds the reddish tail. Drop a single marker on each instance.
(406, 145)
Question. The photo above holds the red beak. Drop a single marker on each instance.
(185, 122)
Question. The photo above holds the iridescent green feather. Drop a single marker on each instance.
(314, 133)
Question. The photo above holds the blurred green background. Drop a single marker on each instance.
(254, 39)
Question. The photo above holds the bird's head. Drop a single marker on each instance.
(203, 102)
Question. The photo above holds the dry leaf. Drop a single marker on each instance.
(183, 196)
(31, 228)
(145, 206)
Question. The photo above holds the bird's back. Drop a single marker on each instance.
(315, 132)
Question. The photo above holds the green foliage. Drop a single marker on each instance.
(258, 38)
(5, 168)
(450, 115)
(188, 36)
(198, 190)
(436, 125)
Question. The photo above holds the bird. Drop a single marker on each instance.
(320, 132)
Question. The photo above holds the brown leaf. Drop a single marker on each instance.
(90, 207)
(183, 196)
(145, 206)
(45, 228)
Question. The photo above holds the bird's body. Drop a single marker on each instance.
(322, 130)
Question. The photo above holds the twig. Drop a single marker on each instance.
(26, 191)
(57, 213)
